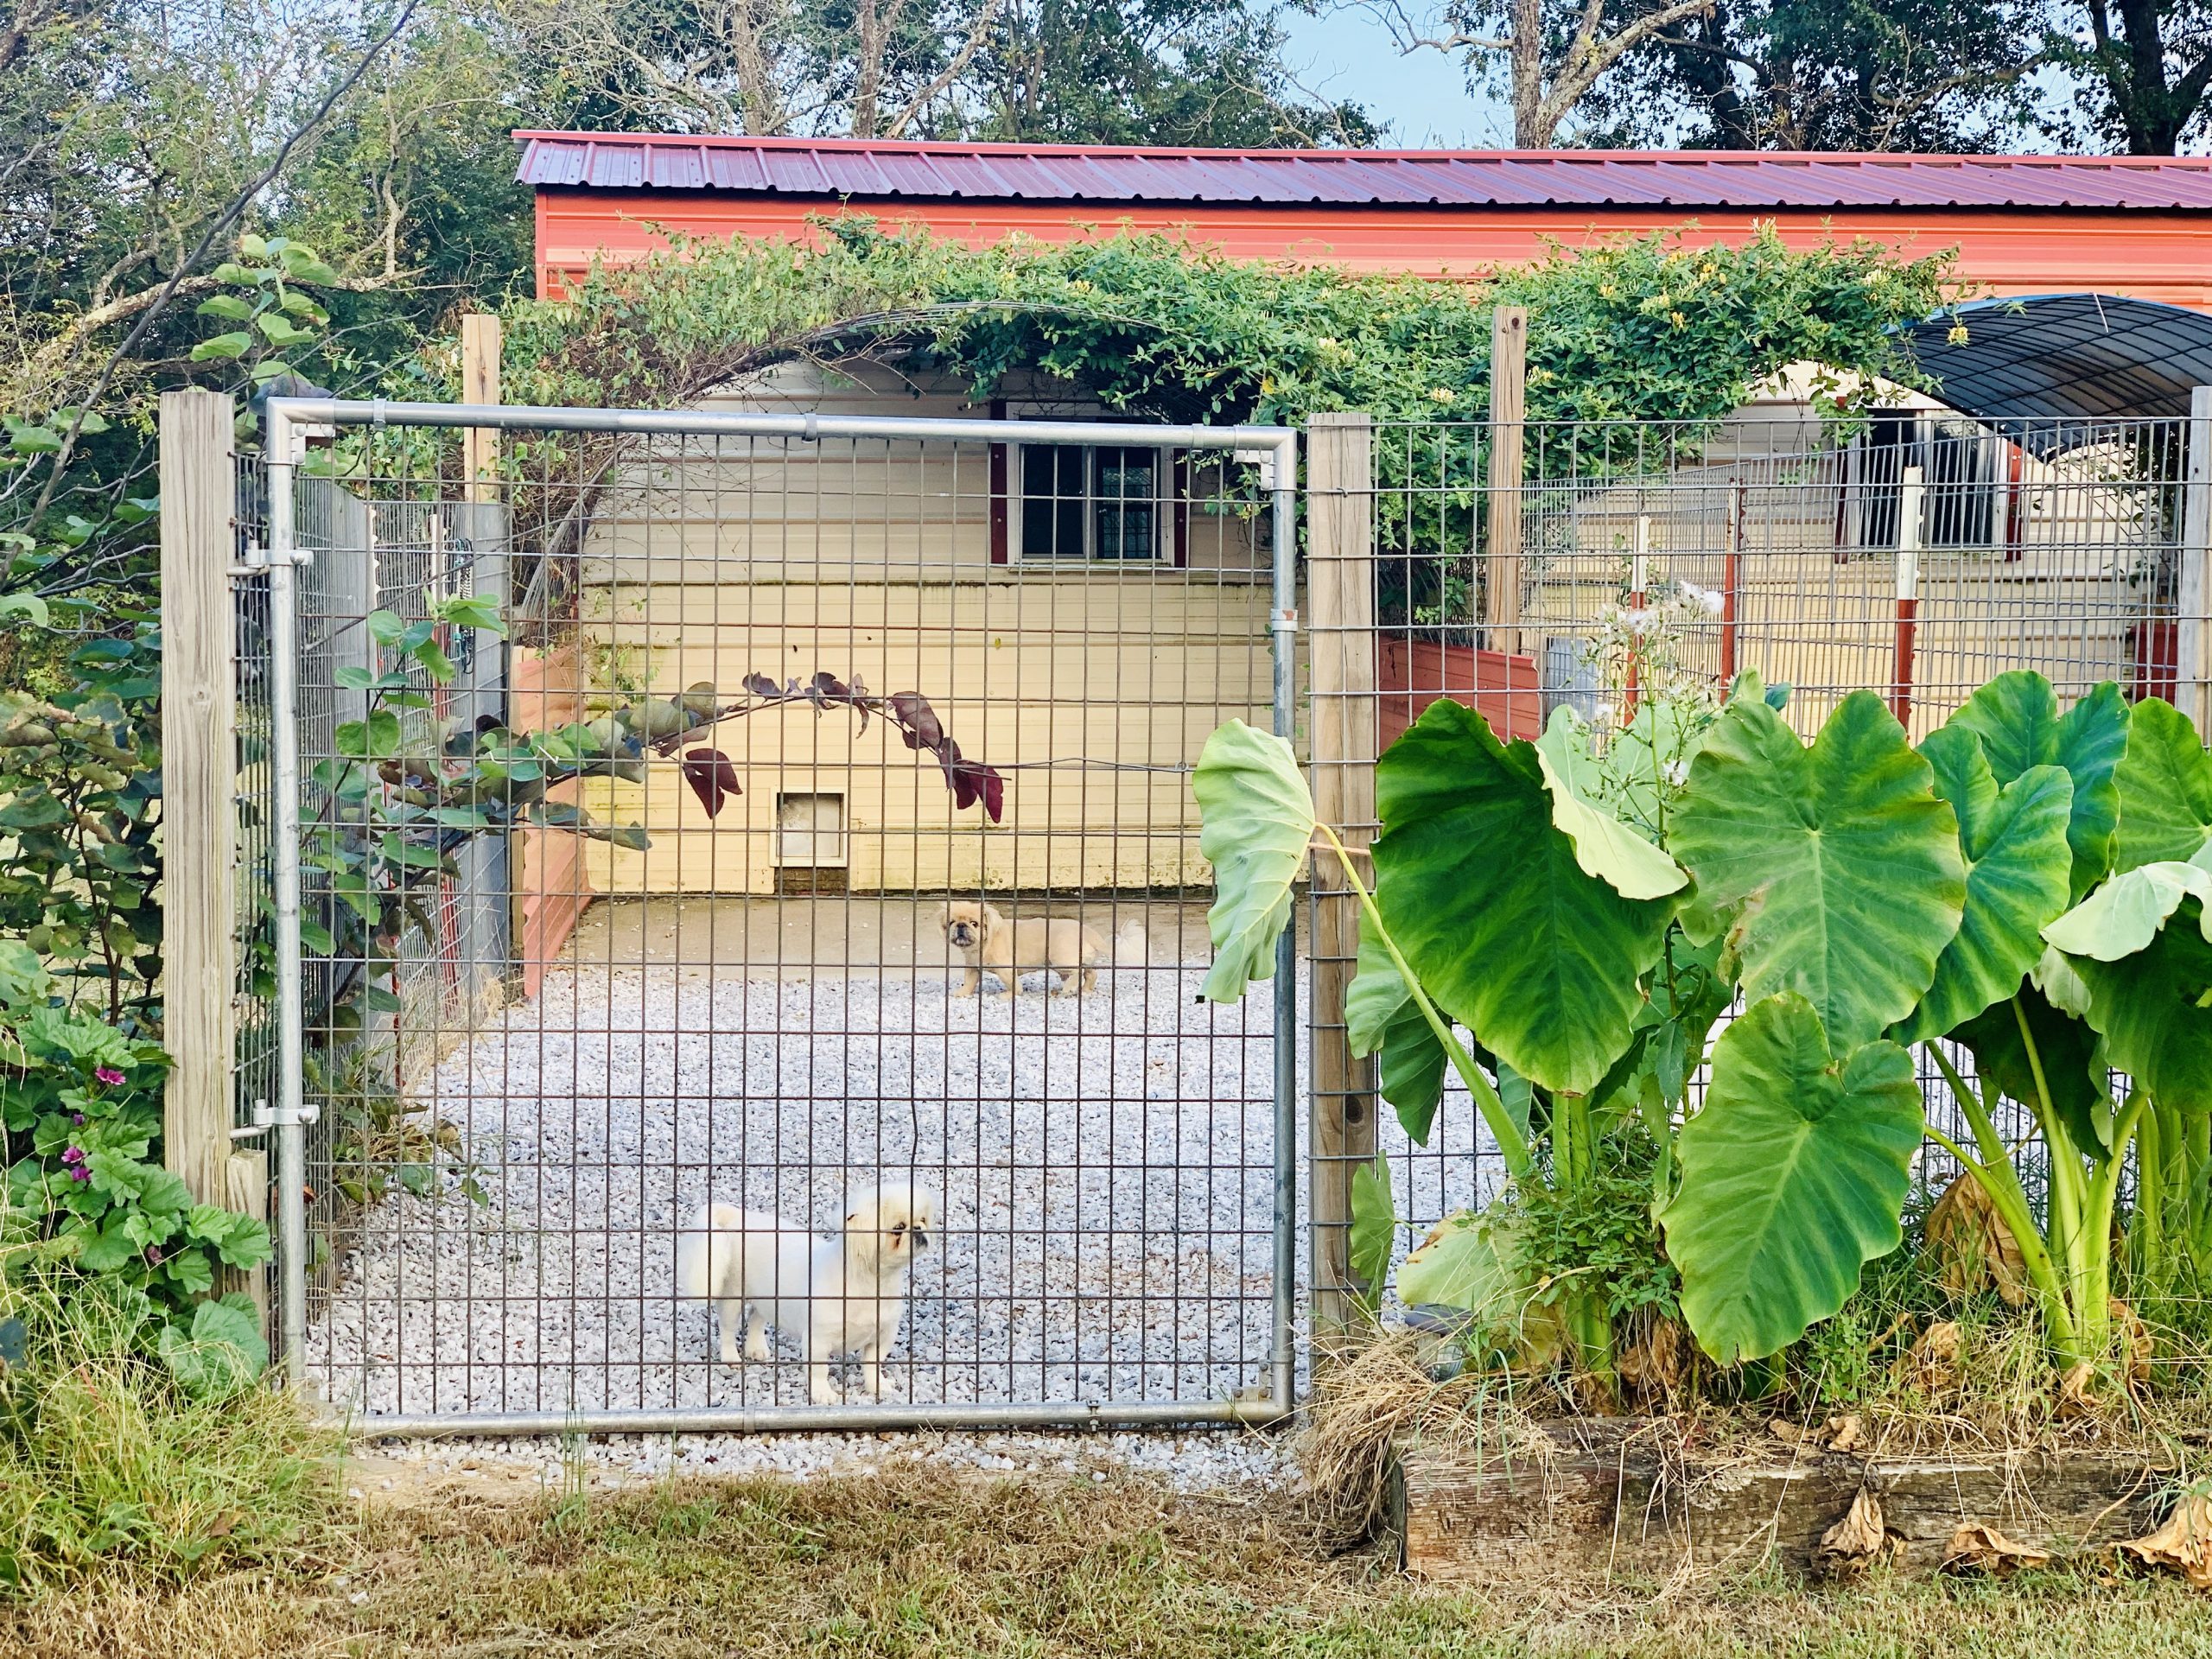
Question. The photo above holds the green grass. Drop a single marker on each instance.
(920, 1569)
(106, 1465)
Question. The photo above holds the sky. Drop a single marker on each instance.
(1420, 98)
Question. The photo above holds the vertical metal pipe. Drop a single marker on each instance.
(1909, 509)
(285, 765)
(1732, 578)
(1283, 1354)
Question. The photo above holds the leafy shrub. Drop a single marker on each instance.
(85, 1100)
(2030, 888)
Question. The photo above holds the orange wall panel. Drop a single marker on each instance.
(2146, 255)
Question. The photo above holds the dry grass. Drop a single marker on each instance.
(932, 1568)
(1371, 1397)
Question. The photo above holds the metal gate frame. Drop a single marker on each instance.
(285, 421)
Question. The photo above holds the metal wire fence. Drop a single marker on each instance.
(817, 822)
(711, 877)
(1916, 555)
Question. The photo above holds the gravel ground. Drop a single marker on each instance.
(1105, 1164)
(1205, 1460)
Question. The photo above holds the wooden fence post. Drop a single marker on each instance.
(199, 827)
(2191, 591)
(1509, 383)
(493, 919)
(1340, 627)
(479, 383)
(199, 721)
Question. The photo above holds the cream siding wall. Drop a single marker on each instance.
(1087, 684)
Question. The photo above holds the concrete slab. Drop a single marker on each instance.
(831, 935)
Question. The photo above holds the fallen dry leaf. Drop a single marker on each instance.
(1790, 1434)
(1972, 1246)
(1853, 1543)
(1935, 1356)
(2184, 1545)
(1653, 1365)
(1844, 1433)
(2076, 1396)
(1984, 1550)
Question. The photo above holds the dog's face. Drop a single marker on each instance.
(890, 1224)
(965, 925)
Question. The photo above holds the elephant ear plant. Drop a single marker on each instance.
(2028, 894)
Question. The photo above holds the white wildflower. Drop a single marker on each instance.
(1704, 598)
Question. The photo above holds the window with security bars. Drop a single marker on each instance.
(1967, 476)
(1098, 502)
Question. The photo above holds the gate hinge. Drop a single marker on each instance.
(1284, 620)
(255, 558)
(268, 1116)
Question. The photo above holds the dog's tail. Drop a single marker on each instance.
(699, 1266)
(1130, 945)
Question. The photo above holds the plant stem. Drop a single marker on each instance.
(2095, 1320)
(2001, 1182)
(1512, 1145)
(2147, 1235)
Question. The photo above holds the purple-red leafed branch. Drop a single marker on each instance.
(713, 778)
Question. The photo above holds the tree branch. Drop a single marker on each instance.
(221, 226)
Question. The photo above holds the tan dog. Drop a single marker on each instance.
(989, 944)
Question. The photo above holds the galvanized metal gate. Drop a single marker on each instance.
(634, 782)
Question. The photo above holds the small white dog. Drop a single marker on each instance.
(846, 1296)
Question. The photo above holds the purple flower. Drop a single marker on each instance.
(153, 1255)
(108, 1075)
(78, 1118)
(74, 1156)
(80, 1173)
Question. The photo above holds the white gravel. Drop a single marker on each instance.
(1105, 1164)
(1205, 1460)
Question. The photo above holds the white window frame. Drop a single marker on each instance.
(1165, 502)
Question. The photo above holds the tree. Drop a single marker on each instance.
(1550, 54)
(2143, 69)
(1160, 72)
(1200, 72)
(1925, 75)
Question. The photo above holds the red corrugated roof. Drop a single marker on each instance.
(876, 169)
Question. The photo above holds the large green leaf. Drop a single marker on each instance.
(1793, 1174)
(1476, 1265)
(1835, 868)
(1374, 1231)
(1606, 847)
(2122, 916)
(2142, 945)
(2164, 786)
(2016, 717)
(1256, 822)
(1485, 897)
(1379, 1013)
(2018, 869)
(2150, 1008)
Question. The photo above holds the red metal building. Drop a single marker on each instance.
(2023, 225)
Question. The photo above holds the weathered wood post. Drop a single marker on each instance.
(1508, 384)
(2191, 670)
(490, 926)
(198, 826)
(1341, 629)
